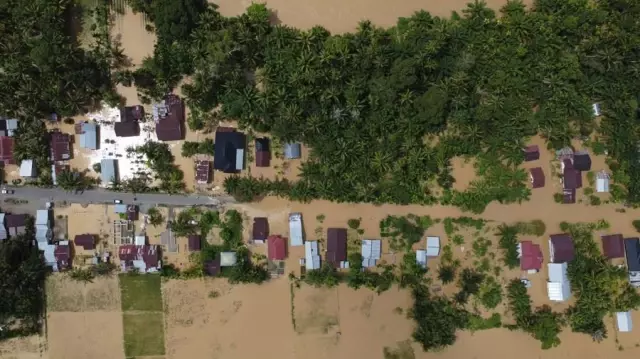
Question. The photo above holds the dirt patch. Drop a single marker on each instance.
(95, 335)
(32, 347)
(316, 310)
(464, 171)
(67, 295)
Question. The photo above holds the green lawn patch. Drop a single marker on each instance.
(143, 334)
(141, 292)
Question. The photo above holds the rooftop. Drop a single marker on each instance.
(126, 129)
(260, 228)
(613, 246)
(169, 118)
(336, 246)
(203, 171)
(6, 150)
(60, 146)
(277, 248)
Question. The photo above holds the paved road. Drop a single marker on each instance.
(101, 196)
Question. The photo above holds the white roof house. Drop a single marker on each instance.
(421, 258)
(602, 182)
(371, 251)
(624, 321)
(433, 246)
(228, 259)
(296, 237)
(558, 286)
(43, 217)
(311, 255)
(27, 169)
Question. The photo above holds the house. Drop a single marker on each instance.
(433, 246)
(86, 241)
(62, 255)
(263, 153)
(336, 247)
(536, 176)
(126, 129)
(194, 243)
(211, 267)
(311, 255)
(169, 118)
(582, 161)
(60, 146)
(203, 171)
(229, 151)
(16, 223)
(613, 246)
(132, 212)
(569, 196)
(531, 153)
(561, 248)
(292, 151)
(3, 228)
(28, 169)
(140, 240)
(6, 150)
(11, 126)
(421, 258)
(624, 321)
(296, 235)
(632, 254)
(596, 109)
(571, 179)
(145, 259)
(276, 248)
(602, 182)
(558, 286)
(371, 251)
(530, 256)
(89, 135)
(228, 259)
(131, 113)
(109, 171)
(260, 229)
(43, 226)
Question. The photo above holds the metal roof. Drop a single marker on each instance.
(108, 171)
(228, 259)
(311, 255)
(433, 246)
(292, 150)
(371, 252)
(42, 217)
(89, 137)
(557, 272)
(27, 169)
(421, 258)
(624, 321)
(296, 237)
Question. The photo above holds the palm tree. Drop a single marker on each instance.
(70, 180)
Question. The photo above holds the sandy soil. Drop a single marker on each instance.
(96, 335)
(66, 295)
(340, 16)
(32, 347)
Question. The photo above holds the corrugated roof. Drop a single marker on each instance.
(43, 217)
(296, 237)
(421, 258)
(531, 256)
(311, 255)
(89, 136)
(371, 251)
(562, 248)
(632, 252)
(276, 248)
(557, 272)
(6, 150)
(226, 146)
(260, 228)
(613, 246)
(27, 169)
(203, 171)
(558, 291)
(336, 246)
(169, 117)
(292, 150)
(126, 129)
(194, 243)
(60, 146)
(131, 113)
(86, 241)
(433, 246)
(228, 259)
(120, 208)
(537, 177)
(16, 220)
(108, 171)
(624, 321)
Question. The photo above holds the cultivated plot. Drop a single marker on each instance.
(141, 292)
(67, 295)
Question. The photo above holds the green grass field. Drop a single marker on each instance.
(141, 292)
(143, 334)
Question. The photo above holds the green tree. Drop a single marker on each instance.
(155, 217)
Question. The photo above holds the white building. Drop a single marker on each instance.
(296, 237)
(27, 169)
(371, 251)
(433, 246)
(624, 321)
(311, 255)
(558, 286)
(602, 182)
(421, 258)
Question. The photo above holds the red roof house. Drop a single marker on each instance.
(561, 248)
(336, 246)
(536, 175)
(203, 171)
(613, 246)
(531, 258)
(194, 243)
(145, 258)
(277, 249)
(86, 241)
(60, 146)
(6, 150)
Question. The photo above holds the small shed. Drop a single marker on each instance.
(276, 248)
(536, 176)
(311, 255)
(120, 208)
(194, 243)
(263, 153)
(433, 246)
(260, 229)
(624, 321)
(596, 109)
(531, 153)
(371, 251)
(228, 259)
(292, 151)
(140, 240)
(613, 246)
(582, 161)
(602, 182)
(561, 248)
(27, 169)
(421, 258)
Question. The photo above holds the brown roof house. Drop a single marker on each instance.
(86, 241)
(145, 259)
(62, 254)
(260, 229)
(263, 154)
(60, 146)
(16, 223)
(613, 246)
(536, 176)
(531, 153)
(211, 267)
(169, 118)
(336, 247)
(561, 248)
(203, 171)
(194, 243)
(131, 113)
(6, 150)
(126, 129)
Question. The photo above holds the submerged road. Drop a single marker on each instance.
(102, 196)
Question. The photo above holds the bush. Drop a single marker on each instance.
(535, 227)
(97, 167)
(636, 224)
(509, 245)
(558, 197)
(447, 273)
(490, 293)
